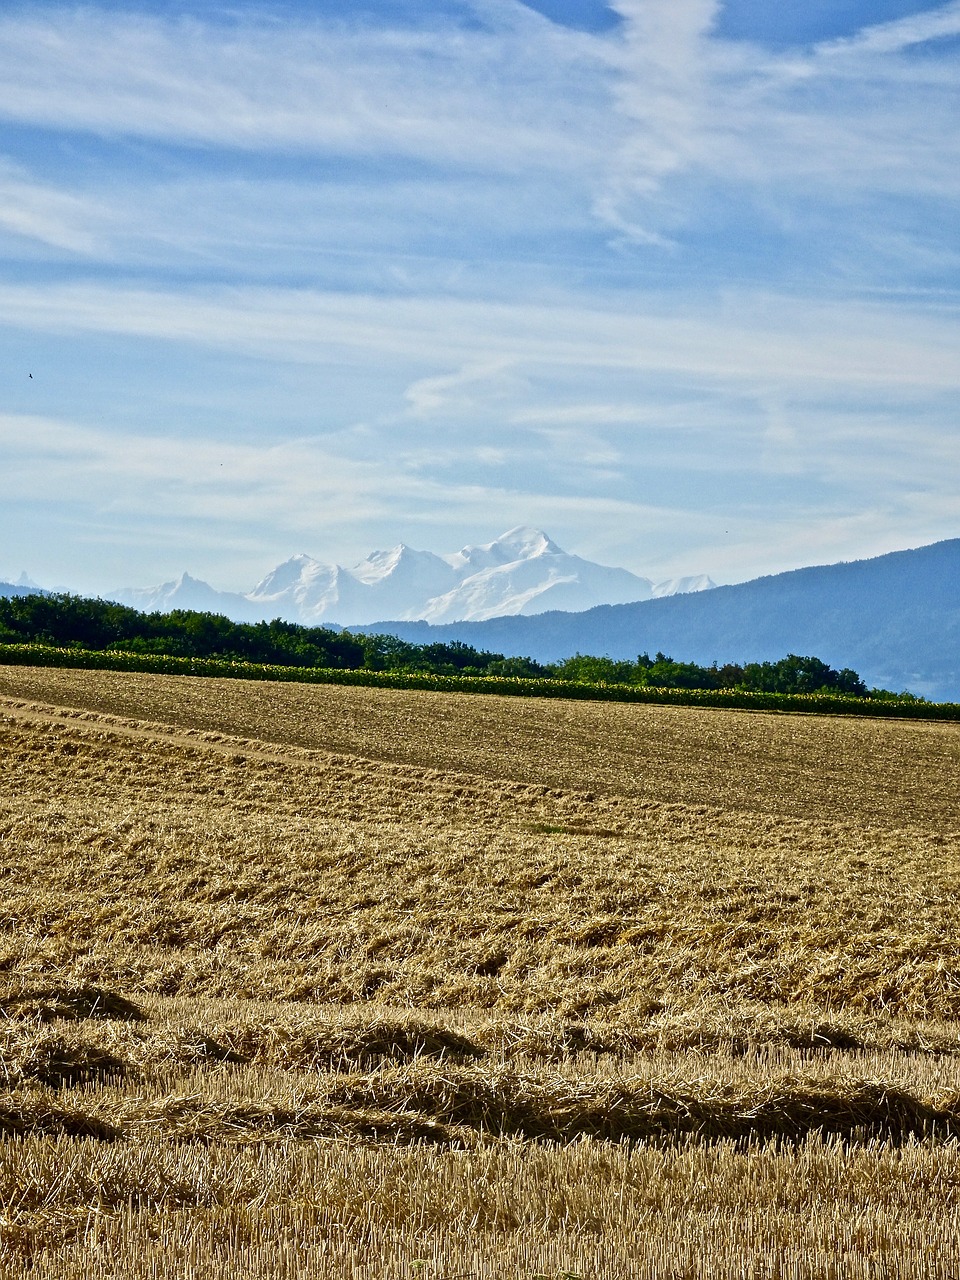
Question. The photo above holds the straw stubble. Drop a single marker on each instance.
(317, 981)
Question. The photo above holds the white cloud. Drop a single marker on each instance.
(521, 257)
(626, 120)
(55, 459)
(745, 338)
(313, 86)
(242, 504)
(904, 33)
(229, 510)
(41, 212)
(845, 120)
(456, 392)
(453, 234)
(578, 415)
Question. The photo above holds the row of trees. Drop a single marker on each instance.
(68, 620)
(74, 621)
(792, 674)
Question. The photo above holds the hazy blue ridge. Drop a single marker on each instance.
(17, 589)
(894, 618)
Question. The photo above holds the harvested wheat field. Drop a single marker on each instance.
(313, 981)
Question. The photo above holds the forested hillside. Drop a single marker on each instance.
(895, 618)
(68, 621)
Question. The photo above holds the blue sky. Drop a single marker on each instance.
(675, 280)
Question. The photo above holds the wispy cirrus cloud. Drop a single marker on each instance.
(246, 504)
(361, 234)
(841, 121)
(904, 33)
(48, 215)
(369, 275)
(230, 511)
(635, 123)
(313, 86)
(746, 337)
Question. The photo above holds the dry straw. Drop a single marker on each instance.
(342, 982)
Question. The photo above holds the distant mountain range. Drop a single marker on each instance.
(895, 619)
(23, 586)
(522, 572)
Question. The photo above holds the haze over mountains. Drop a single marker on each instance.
(521, 572)
(895, 619)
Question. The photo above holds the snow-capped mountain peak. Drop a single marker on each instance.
(521, 572)
(401, 561)
(526, 572)
(188, 593)
(519, 543)
(293, 573)
(381, 564)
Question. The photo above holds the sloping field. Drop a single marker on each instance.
(314, 981)
(807, 766)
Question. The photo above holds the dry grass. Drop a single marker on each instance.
(675, 993)
(878, 771)
(590, 1210)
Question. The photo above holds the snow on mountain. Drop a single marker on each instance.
(400, 580)
(188, 593)
(403, 564)
(681, 586)
(537, 577)
(386, 584)
(521, 572)
(520, 543)
(301, 590)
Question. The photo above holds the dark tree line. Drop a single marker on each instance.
(792, 674)
(74, 621)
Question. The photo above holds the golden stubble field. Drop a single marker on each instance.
(318, 981)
